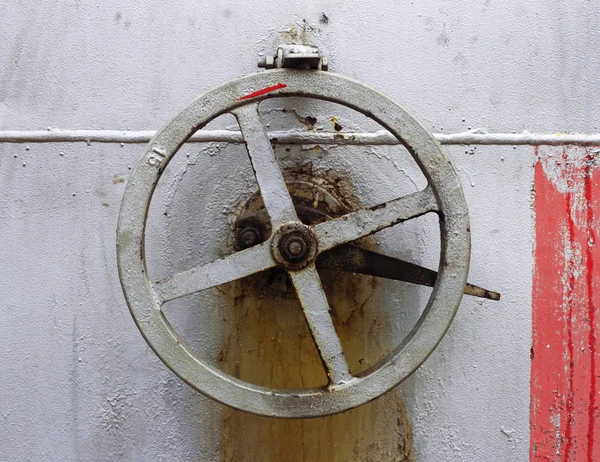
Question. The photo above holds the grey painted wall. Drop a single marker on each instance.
(77, 380)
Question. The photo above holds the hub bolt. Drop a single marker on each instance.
(294, 247)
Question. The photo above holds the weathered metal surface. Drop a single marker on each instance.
(317, 313)
(268, 175)
(267, 342)
(219, 272)
(368, 221)
(285, 237)
(250, 232)
(565, 365)
(443, 195)
(504, 65)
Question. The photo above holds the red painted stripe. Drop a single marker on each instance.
(593, 415)
(565, 423)
(263, 91)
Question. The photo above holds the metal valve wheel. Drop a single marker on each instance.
(295, 246)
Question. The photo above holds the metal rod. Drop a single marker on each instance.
(382, 137)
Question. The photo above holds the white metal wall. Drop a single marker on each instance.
(78, 382)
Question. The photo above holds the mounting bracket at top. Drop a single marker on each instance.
(296, 57)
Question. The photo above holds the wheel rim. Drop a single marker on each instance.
(145, 305)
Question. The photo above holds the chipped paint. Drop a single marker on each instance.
(565, 422)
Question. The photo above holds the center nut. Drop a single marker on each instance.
(294, 246)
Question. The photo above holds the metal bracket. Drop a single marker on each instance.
(295, 57)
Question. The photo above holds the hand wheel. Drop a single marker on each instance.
(294, 246)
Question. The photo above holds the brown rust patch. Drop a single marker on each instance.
(307, 122)
(268, 343)
(335, 121)
(299, 34)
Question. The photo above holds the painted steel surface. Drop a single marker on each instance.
(565, 364)
(77, 382)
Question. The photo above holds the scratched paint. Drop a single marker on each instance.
(565, 421)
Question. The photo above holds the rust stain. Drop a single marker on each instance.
(269, 344)
(335, 121)
(308, 122)
(299, 34)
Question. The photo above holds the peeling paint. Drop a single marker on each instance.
(564, 375)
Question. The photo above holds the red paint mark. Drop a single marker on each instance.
(263, 91)
(564, 381)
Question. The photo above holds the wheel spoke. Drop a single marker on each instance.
(368, 221)
(316, 311)
(273, 190)
(222, 271)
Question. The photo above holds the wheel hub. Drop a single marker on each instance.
(294, 246)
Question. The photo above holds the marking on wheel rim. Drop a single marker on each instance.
(263, 91)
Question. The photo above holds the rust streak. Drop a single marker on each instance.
(269, 344)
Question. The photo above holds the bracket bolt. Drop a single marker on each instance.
(266, 62)
(249, 236)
